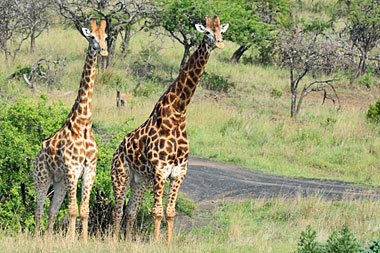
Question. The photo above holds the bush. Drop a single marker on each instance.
(23, 125)
(373, 114)
(216, 82)
(342, 241)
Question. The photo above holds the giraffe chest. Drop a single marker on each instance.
(153, 149)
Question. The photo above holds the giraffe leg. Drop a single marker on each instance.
(73, 176)
(120, 183)
(158, 211)
(41, 183)
(87, 183)
(58, 197)
(138, 188)
(170, 209)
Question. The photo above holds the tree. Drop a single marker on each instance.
(179, 17)
(37, 15)
(12, 28)
(252, 23)
(119, 15)
(362, 26)
(304, 51)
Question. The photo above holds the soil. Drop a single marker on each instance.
(210, 183)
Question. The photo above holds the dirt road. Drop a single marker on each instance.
(209, 180)
(208, 183)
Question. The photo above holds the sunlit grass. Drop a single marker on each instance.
(271, 225)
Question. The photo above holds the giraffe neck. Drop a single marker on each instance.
(179, 94)
(80, 116)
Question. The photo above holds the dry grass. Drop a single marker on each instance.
(272, 225)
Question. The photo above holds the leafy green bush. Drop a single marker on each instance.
(276, 93)
(307, 243)
(373, 114)
(216, 82)
(342, 241)
(23, 125)
(366, 80)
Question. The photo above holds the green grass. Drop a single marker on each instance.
(273, 225)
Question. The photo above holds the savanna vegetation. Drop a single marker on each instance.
(268, 101)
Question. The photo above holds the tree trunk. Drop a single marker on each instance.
(126, 40)
(186, 55)
(293, 112)
(32, 42)
(362, 65)
(238, 53)
(111, 52)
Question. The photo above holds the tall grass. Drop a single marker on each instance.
(272, 225)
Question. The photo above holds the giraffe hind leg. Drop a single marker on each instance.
(60, 189)
(41, 182)
(138, 188)
(120, 175)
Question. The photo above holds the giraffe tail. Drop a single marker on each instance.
(23, 192)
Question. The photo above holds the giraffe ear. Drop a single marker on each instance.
(200, 28)
(86, 32)
(223, 28)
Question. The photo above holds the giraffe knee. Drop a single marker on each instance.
(158, 211)
(84, 211)
(170, 212)
(73, 209)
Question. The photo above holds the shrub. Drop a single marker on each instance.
(373, 114)
(23, 125)
(366, 80)
(342, 241)
(216, 82)
(276, 93)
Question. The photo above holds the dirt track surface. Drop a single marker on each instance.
(208, 180)
(208, 183)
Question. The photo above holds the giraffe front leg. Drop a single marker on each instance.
(158, 211)
(87, 183)
(170, 209)
(72, 179)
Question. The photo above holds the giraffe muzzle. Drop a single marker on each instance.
(219, 45)
(103, 52)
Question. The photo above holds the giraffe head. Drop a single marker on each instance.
(213, 32)
(97, 37)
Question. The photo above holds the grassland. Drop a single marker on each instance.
(252, 226)
(246, 126)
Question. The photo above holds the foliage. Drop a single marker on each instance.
(366, 80)
(276, 93)
(23, 125)
(341, 241)
(307, 243)
(179, 17)
(362, 26)
(374, 247)
(216, 82)
(253, 23)
(373, 114)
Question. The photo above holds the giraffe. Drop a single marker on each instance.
(159, 148)
(71, 152)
